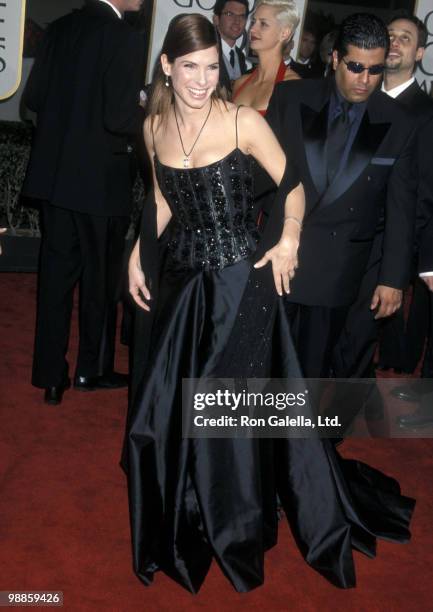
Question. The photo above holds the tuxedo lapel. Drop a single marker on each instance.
(409, 95)
(367, 140)
(98, 8)
(314, 128)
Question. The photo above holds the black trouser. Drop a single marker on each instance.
(77, 247)
(402, 344)
(354, 353)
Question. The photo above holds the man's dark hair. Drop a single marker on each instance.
(420, 26)
(362, 30)
(220, 4)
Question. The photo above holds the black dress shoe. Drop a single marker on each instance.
(415, 420)
(406, 393)
(54, 395)
(85, 383)
(113, 380)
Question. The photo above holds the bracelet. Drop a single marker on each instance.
(298, 221)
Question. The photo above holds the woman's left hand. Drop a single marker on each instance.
(284, 259)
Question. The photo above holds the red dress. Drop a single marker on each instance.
(280, 77)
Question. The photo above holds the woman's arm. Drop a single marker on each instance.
(163, 213)
(137, 280)
(259, 140)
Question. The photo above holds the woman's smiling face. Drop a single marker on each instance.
(194, 76)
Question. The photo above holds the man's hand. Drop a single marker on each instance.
(428, 281)
(137, 282)
(387, 300)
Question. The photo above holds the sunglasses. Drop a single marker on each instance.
(358, 68)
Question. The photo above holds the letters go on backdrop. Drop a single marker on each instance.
(424, 74)
(165, 10)
(11, 45)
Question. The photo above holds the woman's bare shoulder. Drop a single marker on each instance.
(249, 117)
(151, 126)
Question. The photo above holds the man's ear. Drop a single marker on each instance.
(335, 59)
(419, 54)
(216, 20)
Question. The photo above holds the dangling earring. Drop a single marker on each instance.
(167, 82)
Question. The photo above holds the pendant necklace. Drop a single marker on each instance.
(188, 155)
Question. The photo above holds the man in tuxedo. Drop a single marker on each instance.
(409, 38)
(353, 147)
(85, 88)
(230, 18)
(354, 353)
(400, 349)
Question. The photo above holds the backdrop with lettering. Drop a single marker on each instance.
(11, 45)
(164, 10)
(424, 74)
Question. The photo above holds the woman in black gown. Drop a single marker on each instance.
(194, 500)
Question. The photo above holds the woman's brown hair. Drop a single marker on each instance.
(186, 33)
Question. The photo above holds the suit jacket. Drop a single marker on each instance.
(312, 70)
(85, 89)
(341, 220)
(425, 198)
(422, 106)
(224, 75)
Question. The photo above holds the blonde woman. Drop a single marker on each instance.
(273, 25)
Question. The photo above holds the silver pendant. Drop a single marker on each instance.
(186, 162)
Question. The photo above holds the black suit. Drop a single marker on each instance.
(355, 351)
(224, 75)
(85, 89)
(341, 219)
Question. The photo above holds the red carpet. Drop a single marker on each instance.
(64, 517)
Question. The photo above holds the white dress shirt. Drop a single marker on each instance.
(234, 72)
(396, 91)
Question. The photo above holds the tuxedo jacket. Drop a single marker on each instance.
(224, 75)
(85, 87)
(422, 105)
(376, 185)
(425, 197)
(312, 70)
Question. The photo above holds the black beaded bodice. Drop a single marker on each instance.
(212, 207)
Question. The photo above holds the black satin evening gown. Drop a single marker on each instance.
(194, 500)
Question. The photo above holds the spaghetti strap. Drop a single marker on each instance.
(153, 137)
(236, 123)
